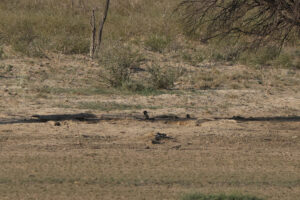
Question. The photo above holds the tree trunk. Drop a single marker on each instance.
(102, 23)
(93, 35)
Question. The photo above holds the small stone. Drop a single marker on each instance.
(176, 147)
(156, 142)
(57, 124)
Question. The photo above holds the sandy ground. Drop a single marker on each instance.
(117, 160)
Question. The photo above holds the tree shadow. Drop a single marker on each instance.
(46, 118)
(87, 117)
(277, 118)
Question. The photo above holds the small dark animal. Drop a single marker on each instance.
(146, 114)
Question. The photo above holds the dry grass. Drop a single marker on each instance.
(112, 161)
(36, 27)
(116, 159)
(198, 196)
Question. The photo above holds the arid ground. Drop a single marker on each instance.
(115, 159)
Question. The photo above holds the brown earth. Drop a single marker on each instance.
(116, 160)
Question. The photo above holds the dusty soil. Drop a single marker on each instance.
(116, 159)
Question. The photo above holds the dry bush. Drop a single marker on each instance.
(214, 78)
(163, 77)
(1, 52)
(157, 43)
(119, 63)
(204, 79)
(267, 56)
(253, 22)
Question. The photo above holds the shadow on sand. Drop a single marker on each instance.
(87, 117)
(279, 118)
(46, 118)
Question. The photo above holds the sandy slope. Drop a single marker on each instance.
(116, 159)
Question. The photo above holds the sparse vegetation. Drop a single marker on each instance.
(194, 58)
(208, 79)
(5, 69)
(1, 52)
(25, 39)
(198, 92)
(263, 57)
(289, 58)
(73, 91)
(163, 78)
(268, 56)
(157, 43)
(119, 63)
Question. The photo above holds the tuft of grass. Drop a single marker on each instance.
(270, 56)
(119, 63)
(25, 38)
(73, 45)
(2, 55)
(163, 78)
(74, 91)
(157, 43)
(135, 87)
(212, 79)
(198, 196)
(6, 69)
(289, 58)
(225, 51)
(263, 57)
(284, 60)
(193, 58)
(215, 78)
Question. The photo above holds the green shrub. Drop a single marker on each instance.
(133, 86)
(118, 64)
(193, 58)
(72, 37)
(73, 45)
(25, 39)
(262, 57)
(288, 58)
(284, 60)
(219, 197)
(204, 80)
(225, 52)
(157, 43)
(1, 52)
(163, 78)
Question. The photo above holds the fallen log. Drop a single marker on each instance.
(63, 117)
